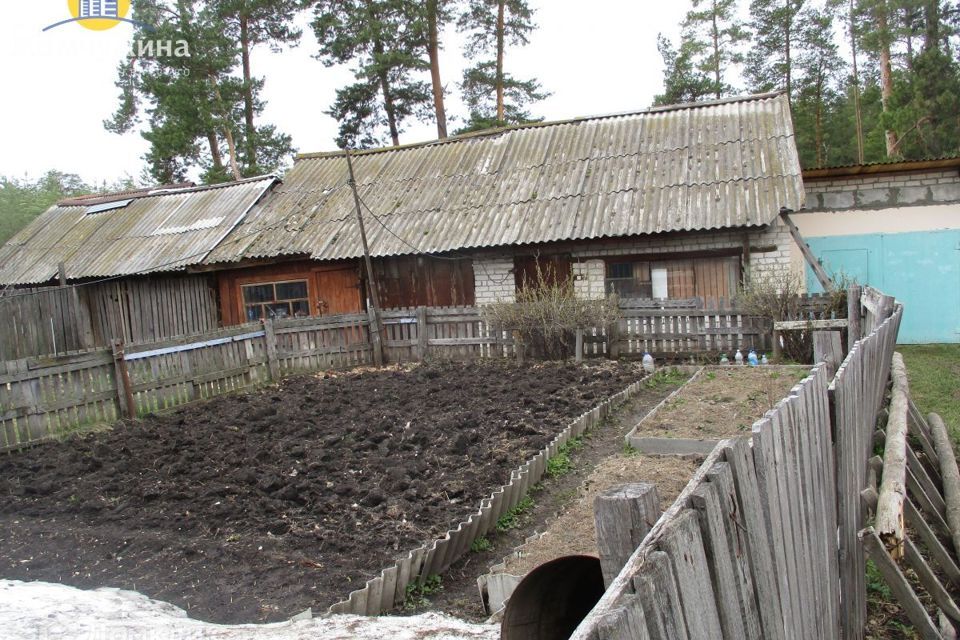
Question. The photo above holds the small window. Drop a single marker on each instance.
(276, 300)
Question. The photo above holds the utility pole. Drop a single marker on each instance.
(374, 311)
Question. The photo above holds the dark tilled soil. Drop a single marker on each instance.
(459, 595)
(251, 508)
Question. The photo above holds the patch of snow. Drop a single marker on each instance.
(44, 611)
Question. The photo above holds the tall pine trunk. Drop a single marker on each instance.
(384, 81)
(886, 78)
(500, 29)
(433, 50)
(215, 151)
(788, 29)
(250, 130)
(857, 113)
(716, 53)
(227, 130)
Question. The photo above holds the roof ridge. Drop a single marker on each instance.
(159, 190)
(472, 135)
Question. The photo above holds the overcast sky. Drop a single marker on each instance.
(596, 57)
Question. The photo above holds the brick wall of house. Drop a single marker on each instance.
(493, 278)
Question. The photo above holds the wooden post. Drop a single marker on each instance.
(623, 516)
(893, 485)
(746, 259)
(270, 340)
(579, 346)
(777, 349)
(818, 270)
(950, 475)
(613, 340)
(854, 331)
(128, 406)
(375, 328)
(827, 348)
(62, 272)
(423, 341)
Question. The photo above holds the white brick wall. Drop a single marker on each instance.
(588, 277)
(882, 191)
(493, 279)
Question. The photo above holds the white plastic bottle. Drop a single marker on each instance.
(752, 358)
(648, 364)
(763, 359)
(738, 357)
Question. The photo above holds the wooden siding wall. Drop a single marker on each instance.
(750, 547)
(424, 281)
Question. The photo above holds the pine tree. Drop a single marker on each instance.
(817, 67)
(682, 82)
(713, 36)
(381, 38)
(191, 106)
(492, 95)
(252, 23)
(771, 60)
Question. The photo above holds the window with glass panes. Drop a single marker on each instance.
(276, 300)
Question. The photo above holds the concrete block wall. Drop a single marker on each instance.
(881, 191)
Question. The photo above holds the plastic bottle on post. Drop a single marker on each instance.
(763, 359)
(738, 357)
(724, 360)
(648, 365)
(752, 358)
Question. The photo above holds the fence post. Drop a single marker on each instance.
(827, 348)
(128, 406)
(623, 516)
(613, 340)
(854, 332)
(423, 344)
(579, 346)
(270, 339)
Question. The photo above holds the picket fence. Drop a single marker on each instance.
(750, 548)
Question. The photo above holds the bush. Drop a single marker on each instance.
(779, 297)
(546, 315)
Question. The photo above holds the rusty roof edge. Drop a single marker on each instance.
(472, 135)
(881, 167)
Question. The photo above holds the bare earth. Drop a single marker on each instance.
(573, 532)
(722, 402)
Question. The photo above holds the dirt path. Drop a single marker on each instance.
(460, 596)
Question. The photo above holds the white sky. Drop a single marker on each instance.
(597, 56)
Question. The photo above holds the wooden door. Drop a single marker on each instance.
(338, 291)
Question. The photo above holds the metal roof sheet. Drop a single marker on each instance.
(162, 231)
(730, 163)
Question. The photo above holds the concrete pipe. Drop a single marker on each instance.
(553, 599)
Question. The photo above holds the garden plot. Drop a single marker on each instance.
(718, 402)
(251, 508)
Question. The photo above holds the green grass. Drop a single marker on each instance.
(513, 519)
(561, 464)
(934, 374)
(480, 545)
(418, 592)
(666, 377)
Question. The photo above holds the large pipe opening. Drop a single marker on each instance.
(553, 599)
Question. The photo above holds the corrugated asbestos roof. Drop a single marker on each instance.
(155, 232)
(730, 163)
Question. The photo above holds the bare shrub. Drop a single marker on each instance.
(547, 313)
(780, 297)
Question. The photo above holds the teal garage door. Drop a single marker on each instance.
(922, 269)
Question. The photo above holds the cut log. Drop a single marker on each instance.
(893, 483)
(950, 475)
(623, 516)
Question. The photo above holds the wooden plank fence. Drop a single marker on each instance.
(57, 320)
(750, 547)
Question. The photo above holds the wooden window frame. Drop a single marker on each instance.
(273, 281)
